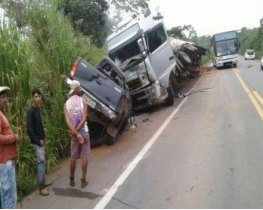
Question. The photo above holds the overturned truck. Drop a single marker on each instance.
(188, 57)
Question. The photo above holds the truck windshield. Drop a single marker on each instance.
(126, 52)
(123, 36)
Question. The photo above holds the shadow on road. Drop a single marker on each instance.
(69, 192)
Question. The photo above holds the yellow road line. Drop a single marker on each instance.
(258, 97)
(249, 93)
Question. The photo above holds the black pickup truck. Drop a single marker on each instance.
(108, 98)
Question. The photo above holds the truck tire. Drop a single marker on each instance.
(170, 98)
(110, 140)
(96, 132)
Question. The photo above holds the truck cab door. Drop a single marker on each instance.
(161, 55)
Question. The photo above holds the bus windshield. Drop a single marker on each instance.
(225, 36)
(227, 47)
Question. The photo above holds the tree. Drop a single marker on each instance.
(176, 32)
(87, 16)
(261, 22)
(121, 8)
(14, 10)
(185, 32)
(158, 16)
(131, 6)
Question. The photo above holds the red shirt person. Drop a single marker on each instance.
(8, 141)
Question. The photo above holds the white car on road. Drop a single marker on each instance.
(250, 54)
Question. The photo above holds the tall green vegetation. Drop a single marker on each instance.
(16, 72)
(204, 41)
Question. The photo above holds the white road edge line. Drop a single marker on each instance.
(114, 188)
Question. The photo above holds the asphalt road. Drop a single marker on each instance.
(203, 152)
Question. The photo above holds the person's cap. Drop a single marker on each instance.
(73, 85)
(4, 88)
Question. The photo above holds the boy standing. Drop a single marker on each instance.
(37, 137)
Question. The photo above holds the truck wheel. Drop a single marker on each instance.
(96, 132)
(124, 124)
(110, 140)
(170, 98)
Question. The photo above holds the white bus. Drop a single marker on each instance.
(224, 49)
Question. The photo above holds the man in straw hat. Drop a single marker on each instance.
(75, 113)
(8, 141)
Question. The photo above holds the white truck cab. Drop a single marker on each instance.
(142, 50)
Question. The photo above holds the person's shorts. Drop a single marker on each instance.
(78, 150)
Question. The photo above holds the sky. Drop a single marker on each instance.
(209, 16)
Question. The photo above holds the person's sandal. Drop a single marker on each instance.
(72, 182)
(43, 192)
(84, 183)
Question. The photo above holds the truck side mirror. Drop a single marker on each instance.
(141, 45)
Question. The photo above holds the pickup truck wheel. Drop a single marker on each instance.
(110, 140)
(124, 124)
(96, 132)
(170, 98)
